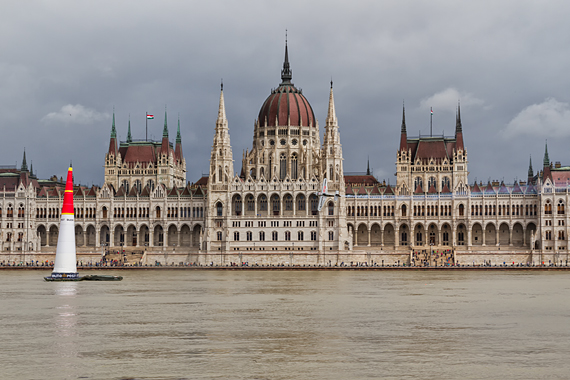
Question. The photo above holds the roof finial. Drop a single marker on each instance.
(222, 85)
(331, 82)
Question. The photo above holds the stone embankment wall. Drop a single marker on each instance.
(296, 258)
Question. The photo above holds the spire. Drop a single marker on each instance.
(403, 118)
(129, 137)
(459, 130)
(331, 115)
(530, 171)
(222, 107)
(113, 130)
(32, 168)
(368, 167)
(458, 127)
(178, 148)
(24, 163)
(546, 159)
(165, 130)
(404, 134)
(113, 139)
(286, 73)
(178, 136)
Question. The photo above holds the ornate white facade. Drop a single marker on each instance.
(270, 208)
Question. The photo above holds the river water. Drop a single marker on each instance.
(287, 325)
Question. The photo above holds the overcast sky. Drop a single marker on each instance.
(64, 65)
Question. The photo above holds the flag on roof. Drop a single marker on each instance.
(149, 116)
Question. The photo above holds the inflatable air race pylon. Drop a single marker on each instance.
(65, 267)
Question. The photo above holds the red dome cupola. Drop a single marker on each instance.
(286, 105)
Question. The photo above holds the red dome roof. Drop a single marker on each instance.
(286, 103)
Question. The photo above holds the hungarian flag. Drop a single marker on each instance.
(149, 116)
(431, 110)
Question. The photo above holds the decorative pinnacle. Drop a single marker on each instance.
(129, 136)
(546, 159)
(178, 136)
(24, 163)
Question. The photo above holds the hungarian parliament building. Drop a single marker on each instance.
(269, 209)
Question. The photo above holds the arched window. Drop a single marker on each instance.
(461, 210)
(125, 184)
(157, 211)
(445, 182)
(331, 208)
(560, 207)
(237, 204)
(282, 166)
(219, 209)
(404, 210)
(331, 172)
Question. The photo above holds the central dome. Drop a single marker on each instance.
(286, 105)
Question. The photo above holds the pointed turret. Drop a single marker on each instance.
(129, 136)
(113, 140)
(530, 171)
(404, 133)
(368, 167)
(165, 144)
(546, 164)
(459, 130)
(24, 163)
(178, 148)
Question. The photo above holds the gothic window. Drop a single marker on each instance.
(404, 209)
(219, 208)
(331, 208)
(282, 166)
(150, 184)
(300, 236)
(218, 235)
(275, 206)
(560, 207)
(138, 185)
(220, 174)
(432, 182)
(237, 205)
(461, 210)
(261, 236)
(294, 173)
(301, 202)
(331, 172)
(274, 236)
(314, 201)
(262, 203)
(288, 203)
(157, 211)
(250, 203)
(445, 182)
(236, 236)
(287, 235)
(418, 182)
(249, 235)
(125, 184)
(331, 235)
